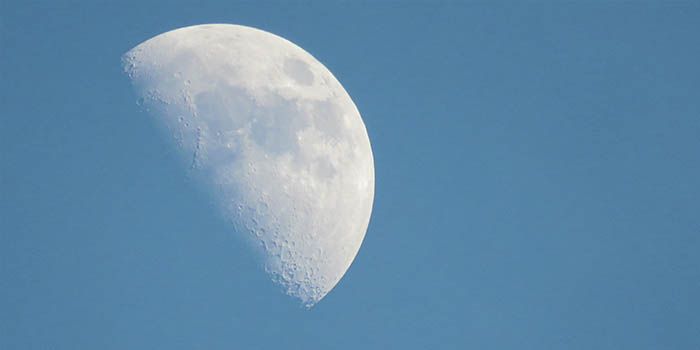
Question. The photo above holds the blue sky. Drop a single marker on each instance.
(537, 182)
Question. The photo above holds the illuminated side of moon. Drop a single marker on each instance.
(273, 136)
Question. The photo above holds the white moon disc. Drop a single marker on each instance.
(274, 137)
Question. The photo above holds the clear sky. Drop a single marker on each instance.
(537, 182)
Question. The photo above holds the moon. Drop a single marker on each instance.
(275, 139)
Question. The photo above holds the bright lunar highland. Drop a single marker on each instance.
(274, 138)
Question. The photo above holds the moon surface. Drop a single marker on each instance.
(275, 139)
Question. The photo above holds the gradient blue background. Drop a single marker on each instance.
(537, 166)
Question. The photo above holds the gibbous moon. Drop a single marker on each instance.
(275, 139)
